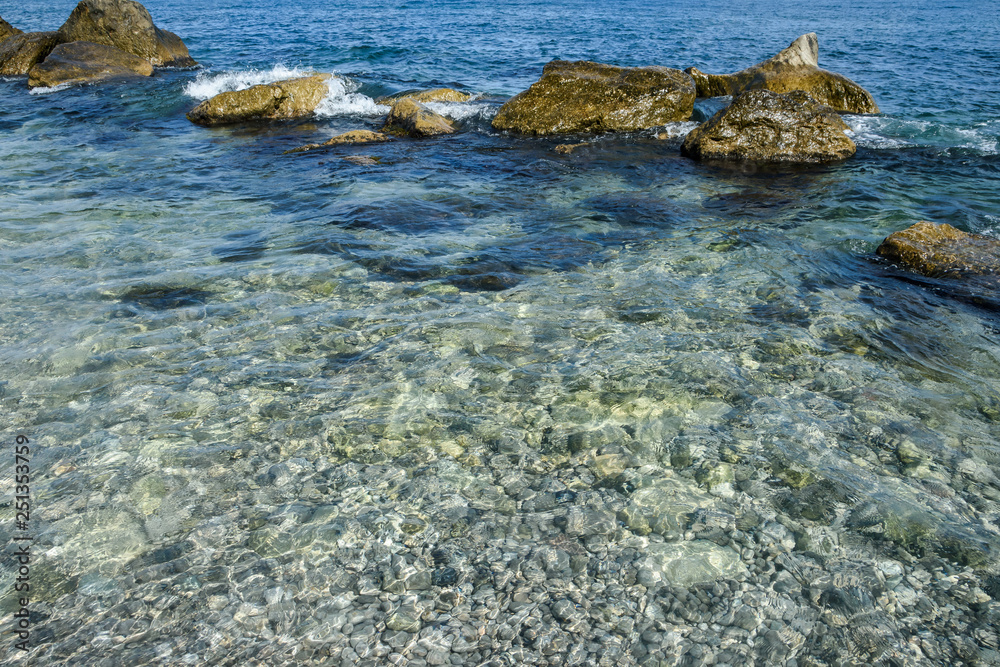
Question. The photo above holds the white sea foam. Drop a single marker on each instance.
(42, 90)
(874, 132)
(680, 128)
(342, 99)
(887, 132)
(464, 110)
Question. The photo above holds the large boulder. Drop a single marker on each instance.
(762, 126)
(795, 68)
(19, 53)
(584, 96)
(281, 100)
(86, 62)
(429, 95)
(126, 25)
(411, 118)
(942, 251)
(352, 137)
(7, 30)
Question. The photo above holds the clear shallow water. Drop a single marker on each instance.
(205, 337)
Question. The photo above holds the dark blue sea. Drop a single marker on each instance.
(467, 400)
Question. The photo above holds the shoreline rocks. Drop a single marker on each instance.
(352, 137)
(281, 100)
(7, 30)
(940, 250)
(86, 62)
(794, 68)
(411, 118)
(584, 96)
(428, 95)
(763, 126)
(126, 25)
(21, 52)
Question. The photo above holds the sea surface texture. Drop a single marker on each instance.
(471, 401)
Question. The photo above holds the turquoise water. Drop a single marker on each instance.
(186, 308)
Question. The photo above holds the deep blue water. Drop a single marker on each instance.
(172, 294)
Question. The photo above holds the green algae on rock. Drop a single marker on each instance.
(291, 98)
(584, 96)
(127, 25)
(763, 126)
(428, 95)
(21, 52)
(7, 30)
(352, 137)
(411, 118)
(794, 68)
(940, 250)
(86, 62)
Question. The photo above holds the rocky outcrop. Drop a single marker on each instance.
(942, 251)
(413, 119)
(795, 68)
(126, 25)
(352, 137)
(86, 62)
(7, 30)
(291, 98)
(424, 96)
(584, 96)
(763, 126)
(21, 52)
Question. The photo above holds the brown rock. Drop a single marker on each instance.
(568, 148)
(762, 126)
(20, 53)
(413, 119)
(292, 98)
(126, 25)
(86, 62)
(795, 68)
(584, 96)
(424, 96)
(7, 30)
(939, 251)
(352, 137)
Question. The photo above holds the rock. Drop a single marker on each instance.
(126, 25)
(424, 96)
(688, 563)
(763, 126)
(7, 30)
(352, 137)
(942, 251)
(86, 62)
(412, 118)
(584, 96)
(20, 53)
(291, 98)
(566, 149)
(795, 68)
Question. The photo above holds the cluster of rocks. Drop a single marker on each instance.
(101, 40)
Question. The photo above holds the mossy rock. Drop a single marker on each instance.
(940, 251)
(794, 68)
(411, 118)
(7, 30)
(426, 95)
(584, 96)
(86, 62)
(20, 52)
(282, 100)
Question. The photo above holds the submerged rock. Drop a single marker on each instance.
(585, 96)
(86, 62)
(126, 25)
(413, 119)
(429, 95)
(7, 30)
(763, 126)
(21, 52)
(352, 137)
(291, 98)
(795, 68)
(940, 250)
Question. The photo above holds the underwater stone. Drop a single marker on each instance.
(763, 126)
(940, 250)
(584, 96)
(352, 137)
(126, 25)
(688, 563)
(794, 68)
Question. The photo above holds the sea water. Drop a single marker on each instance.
(211, 344)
